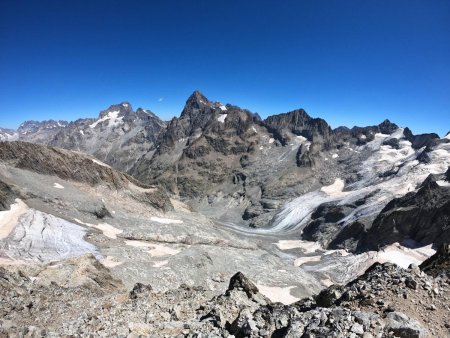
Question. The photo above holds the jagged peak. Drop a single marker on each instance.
(197, 96)
(387, 127)
(195, 102)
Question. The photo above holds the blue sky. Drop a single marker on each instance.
(351, 62)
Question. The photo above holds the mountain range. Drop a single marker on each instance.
(126, 200)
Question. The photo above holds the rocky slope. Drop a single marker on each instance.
(72, 166)
(386, 301)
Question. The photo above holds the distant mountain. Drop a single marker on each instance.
(117, 137)
(8, 134)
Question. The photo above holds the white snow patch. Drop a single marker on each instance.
(334, 155)
(222, 118)
(278, 294)
(100, 163)
(9, 218)
(306, 246)
(57, 186)
(125, 104)
(271, 140)
(165, 220)
(110, 262)
(254, 129)
(112, 118)
(335, 189)
(443, 183)
(81, 132)
(305, 259)
(107, 229)
(403, 256)
(223, 108)
(327, 282)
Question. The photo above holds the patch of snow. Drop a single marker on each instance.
(100, 163)
(125, 104)
(222, 118)
(443, 183)
(306, 246)
(9, 218)
(223, 108)
(305, 259)
(159, 264)
(335, 189)
(57, 186)
(254, 129)
(107, 229)
(327, 282)
(278, 294)
(112, 118)
(447, 136)
(362, 137)
(271, 140)
(165, 220)
(110, 262)
(81, 132)
(403, 256)
(334, 155)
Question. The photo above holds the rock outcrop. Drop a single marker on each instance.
(423, 216)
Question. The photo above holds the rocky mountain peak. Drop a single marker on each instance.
(297, 122)
(121, 109)
(197, 101)
(387, 127)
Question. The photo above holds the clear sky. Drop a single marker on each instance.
(351, 62)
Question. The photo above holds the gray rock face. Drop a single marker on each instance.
(298, 122)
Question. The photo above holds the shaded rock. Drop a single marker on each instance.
(7, 196)
(239, 281)
(404, 327)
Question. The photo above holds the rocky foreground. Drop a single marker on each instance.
(80, 298)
